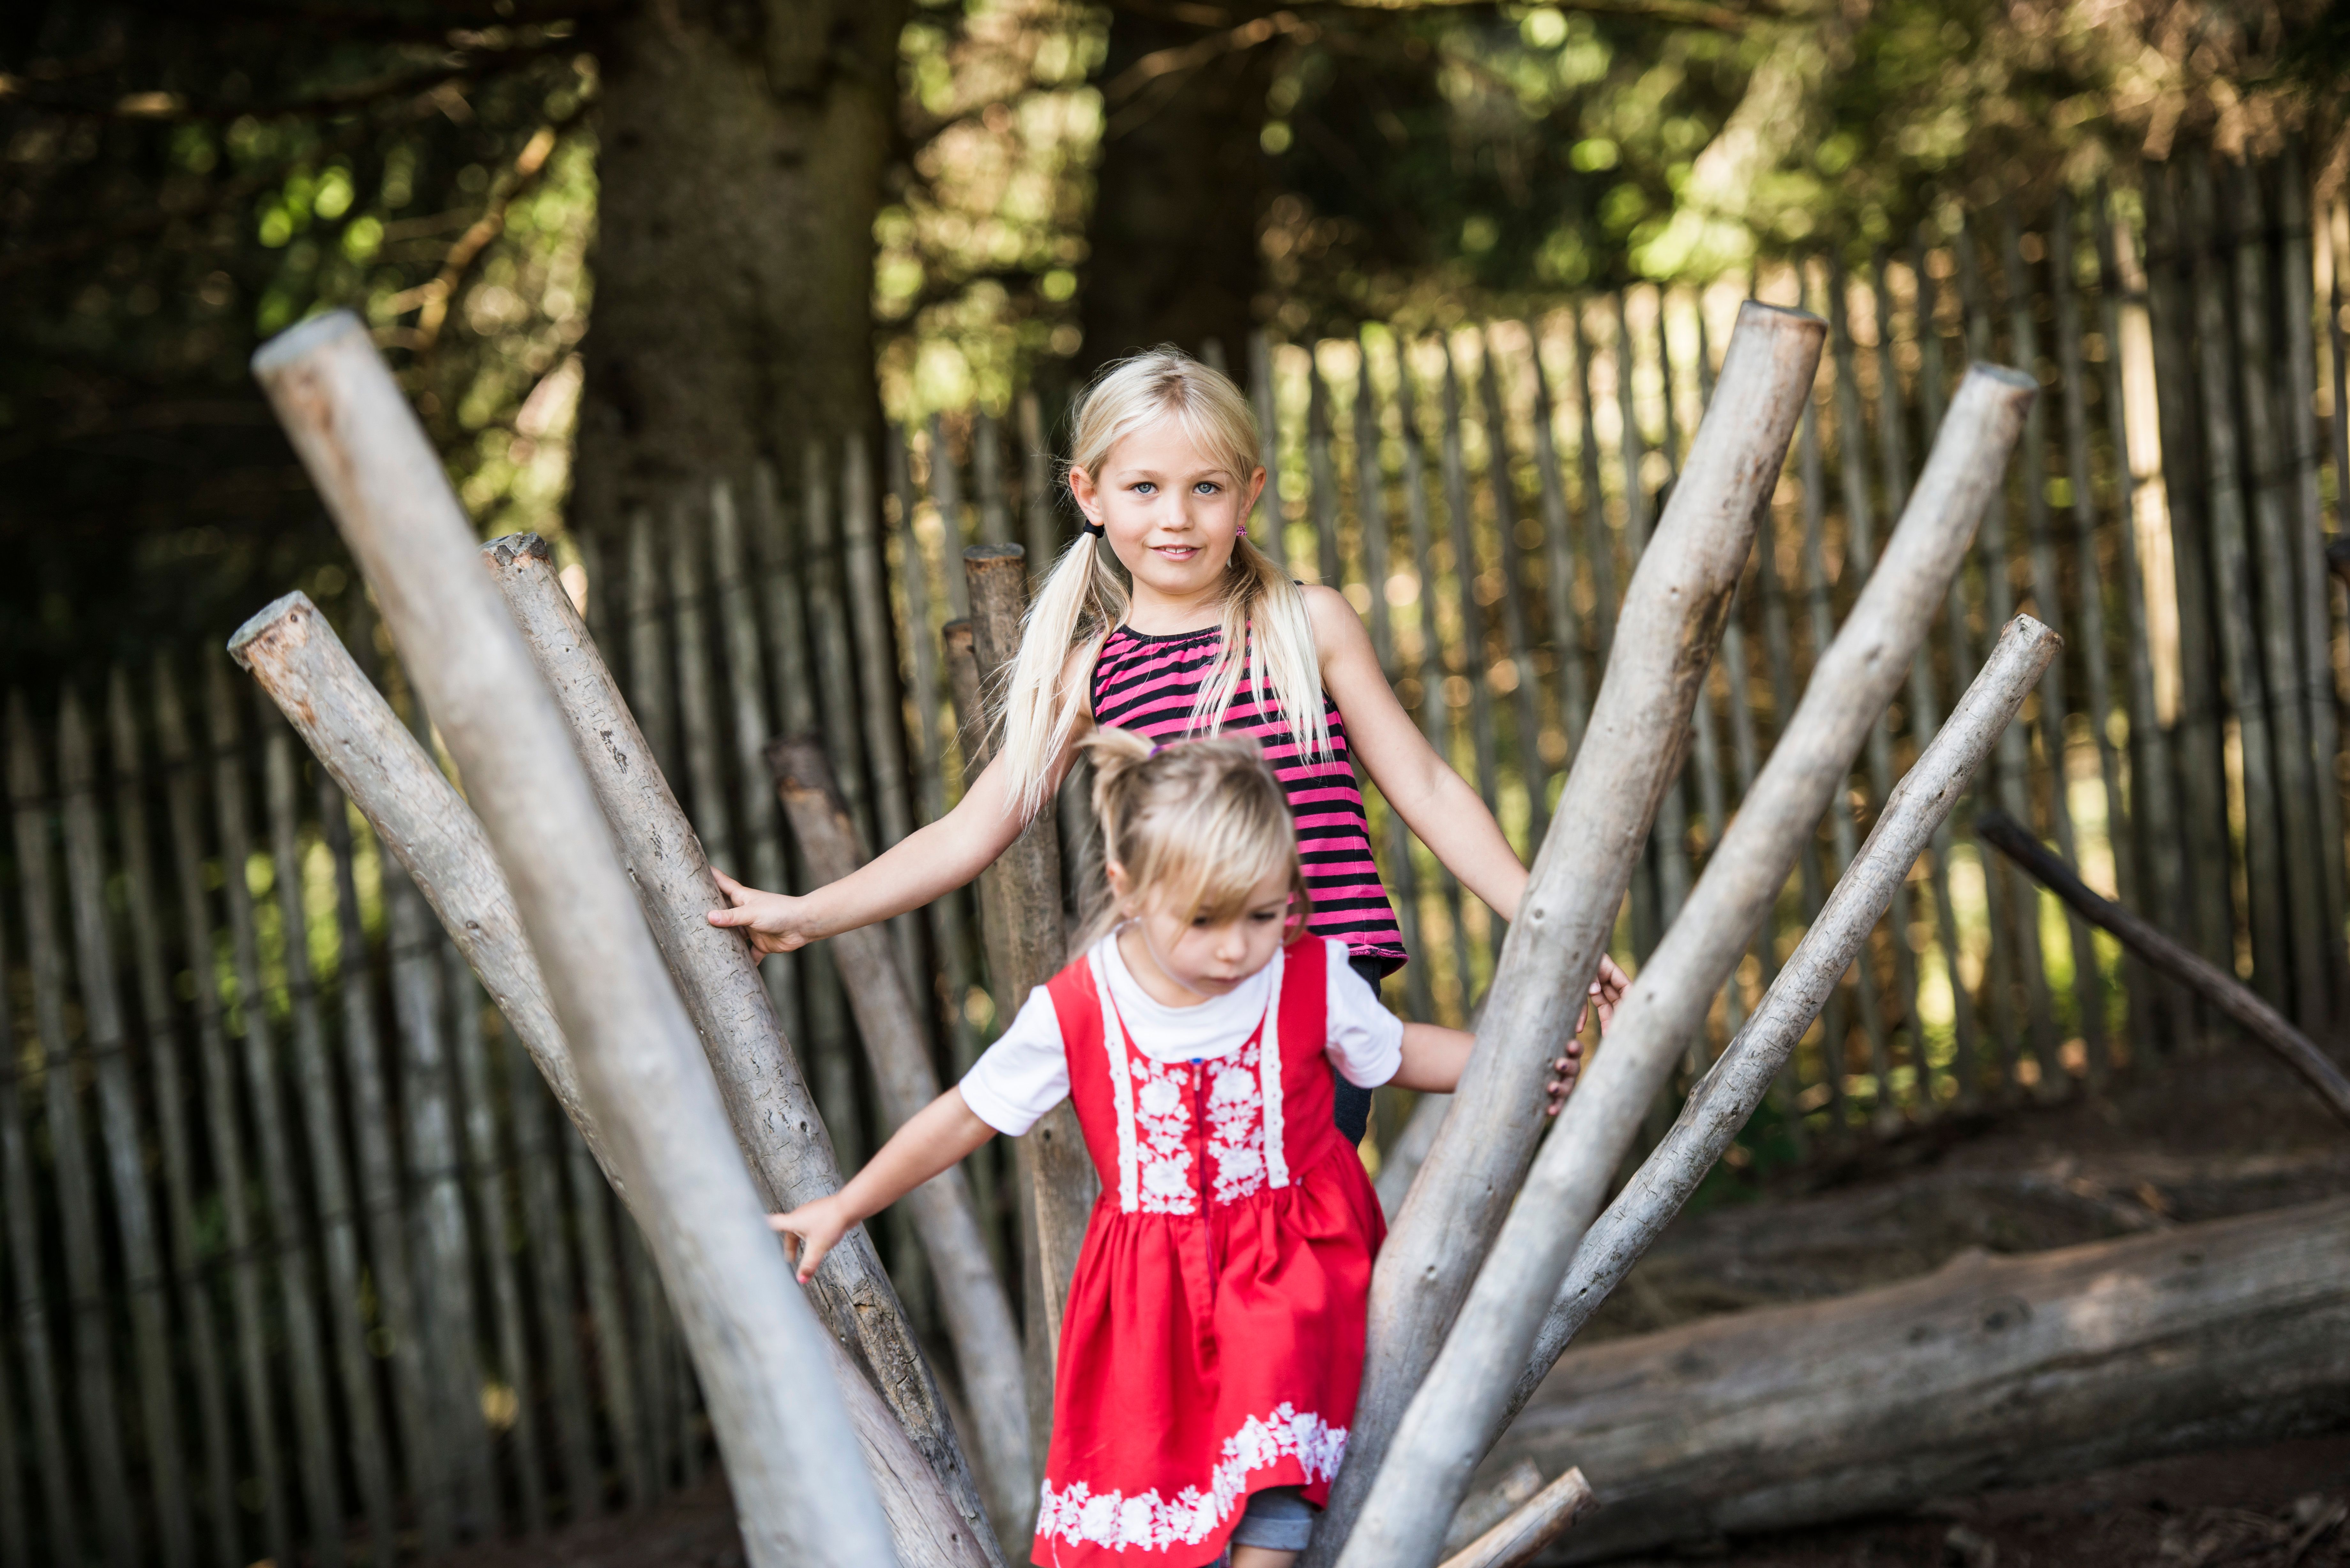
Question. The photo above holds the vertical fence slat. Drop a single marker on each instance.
(591, 1218)
(648, 667)
(2232, 597)
(62, 1514)
(2297, 391)
(1435, 714)
(321, 1118)
(107, 1046)
(946, 489)
(1268, 425)
(553, 1282)
(223, 1133)
(166, 1068)
(1370, 499)
(877, 655)
(1778, 652)
(697, 698)
(1037, 482)
(2093, 650)
(1533, 771)
(16, 1537)
(2013, 896)
(1321, 477)
(289, 1222)
(648, 1341)
(93, 1363)
(1558, 570)
(1473, 652)
(2267, 468)
(987, 479)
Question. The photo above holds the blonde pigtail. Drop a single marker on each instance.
(1037, 707)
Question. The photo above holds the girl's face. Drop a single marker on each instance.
(1207, 958)
(1170, 511)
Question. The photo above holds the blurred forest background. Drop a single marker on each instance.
(610, 243)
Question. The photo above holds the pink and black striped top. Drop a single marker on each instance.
(1147, 684)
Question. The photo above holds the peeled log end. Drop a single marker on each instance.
(287, 616)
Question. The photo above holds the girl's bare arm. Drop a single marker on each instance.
(938, 1135)
(920, 867)
(1433, 1057)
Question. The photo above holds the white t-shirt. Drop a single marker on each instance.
(1026, 1072)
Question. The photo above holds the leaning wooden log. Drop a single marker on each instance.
(1989, 1372)
(1533, 1525)
(1672, 614)
(802, 1493)
(2207, 980)
(1056, 1173)
(419, 817)
(774, 1117)
(1751, 1062)
(1459, 1409)
(971, 1297)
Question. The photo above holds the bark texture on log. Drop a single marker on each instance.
(1460, 1408)
(1535, 1524)
(1989, 1372)
(774, 1117)
(802, 1493)
(1672, 615)
(1751, 1063)
(973, 1299)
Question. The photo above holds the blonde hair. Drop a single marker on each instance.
(1196, 825)
(1085, 597)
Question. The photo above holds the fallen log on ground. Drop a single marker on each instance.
(1989, 1372)
(1671, 618)
(767, 1096)
(802, 1492)
(971, 1297)
(420, 817)
(2198, 975)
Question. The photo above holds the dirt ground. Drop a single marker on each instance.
(2202, 1136)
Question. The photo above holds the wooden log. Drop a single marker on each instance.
(1721, 1104)
(977, 1311)
(800, 1491)
(2235, 612)
(165, 1051)
(2207, 980)
(2297, 390)
(54, 1459)
(1435, 710)
(1027, 945)
(1778, 648)
(1533, 769)
(1454, 469)
(1673, 612)
(222, 1130)
(1989, 1372)
(93, 1362)
(107, 1044)
(1453, 1420)
(766, 1099)
(288, 1216)
(338, 1242)
(492, 1223)
(1530, 1526)
(2267, 462)
(2015, 910)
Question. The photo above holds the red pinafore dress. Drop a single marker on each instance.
(1213, 1341)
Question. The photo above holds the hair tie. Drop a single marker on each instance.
(1092, 527)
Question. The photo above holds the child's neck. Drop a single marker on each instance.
(1155, 614)
(1157, 984)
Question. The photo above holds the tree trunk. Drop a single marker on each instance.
(1989, 1372)
(1182, 186)
(741, 155)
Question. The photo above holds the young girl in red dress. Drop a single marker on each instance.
(1214, 1337)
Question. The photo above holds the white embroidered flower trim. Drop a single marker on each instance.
(1080, 1516)
(1162, 1131)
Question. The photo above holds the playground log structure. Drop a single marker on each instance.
(1673, 612)
(1458, 1410)
(802, 1493)
(419, 815)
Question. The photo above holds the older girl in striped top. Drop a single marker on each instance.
(1181, 626)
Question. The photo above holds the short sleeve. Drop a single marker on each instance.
(1365, 1040)
(1024, 1073)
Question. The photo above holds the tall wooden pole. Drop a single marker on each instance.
(1673, 613)
(801, 1492)
(1457, 1409)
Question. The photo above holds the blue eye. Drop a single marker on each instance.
(1206, 487)
(1144, 487)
